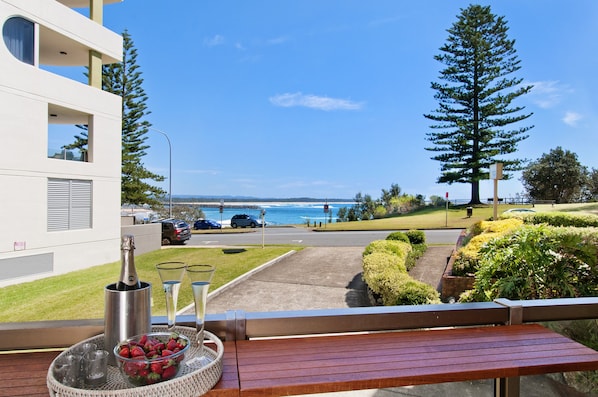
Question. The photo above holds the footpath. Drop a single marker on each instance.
(330, 277)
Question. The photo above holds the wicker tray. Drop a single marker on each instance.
(191, 382)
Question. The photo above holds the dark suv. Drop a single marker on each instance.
(175, 231)
(243, 220)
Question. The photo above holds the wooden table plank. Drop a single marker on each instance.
(24, 374)
(366, 361)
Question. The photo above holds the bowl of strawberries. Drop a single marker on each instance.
(151, 358)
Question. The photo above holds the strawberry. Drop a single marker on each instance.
(152, 354)
(156, 367)
(137, 351)
(143, 340)
(169, 373)
(124, 351)
(171, 344)
(166, 352)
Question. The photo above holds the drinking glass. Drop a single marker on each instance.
(95, 367)
(66, 370)
(171, 274)
(200, 276)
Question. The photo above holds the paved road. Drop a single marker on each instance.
(307, 237)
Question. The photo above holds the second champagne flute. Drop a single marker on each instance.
(200, 276)
(171, 274)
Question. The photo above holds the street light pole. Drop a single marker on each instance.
(169, 169)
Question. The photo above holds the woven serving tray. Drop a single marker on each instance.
(191, 382)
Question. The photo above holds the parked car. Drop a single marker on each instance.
(244, 220)
(175, 231)
(206, 224)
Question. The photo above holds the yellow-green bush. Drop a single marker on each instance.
(467, 257)
(378, 265)
(401, 289)
(400, 248)
(556, 219)
(385, 273)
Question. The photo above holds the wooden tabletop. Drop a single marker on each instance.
(287, 366)
(290, 366)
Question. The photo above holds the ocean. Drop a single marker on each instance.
(277, 213)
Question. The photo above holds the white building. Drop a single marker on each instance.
(59, 209)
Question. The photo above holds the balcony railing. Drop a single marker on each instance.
(239, 325)
(68, 154)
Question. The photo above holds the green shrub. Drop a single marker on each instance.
(400, 289)
(562, 219)
(538, 262)
(390, 246)
(385, 264)
(379, 266)
(416, 236)
(467, 257)
(379, 212)
(398, 236)
(417, 250)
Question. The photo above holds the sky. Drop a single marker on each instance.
(325, 98)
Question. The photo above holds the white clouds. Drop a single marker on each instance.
(547, 94)
(571, 118)
(288, 100)
(214, 40)
(277, 40)
(550, 94)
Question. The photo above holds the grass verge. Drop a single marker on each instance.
(80, 294)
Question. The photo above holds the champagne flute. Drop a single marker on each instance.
(171, 274)
(200, 276)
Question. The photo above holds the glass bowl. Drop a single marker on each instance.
(151, 358)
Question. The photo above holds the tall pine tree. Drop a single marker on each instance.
(123, 79)
(475, 101)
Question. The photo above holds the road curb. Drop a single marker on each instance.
(238, 280)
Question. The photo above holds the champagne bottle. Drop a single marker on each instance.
(128, 274)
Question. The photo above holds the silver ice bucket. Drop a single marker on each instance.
(126, 313)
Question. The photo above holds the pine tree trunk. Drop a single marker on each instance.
(475, 193)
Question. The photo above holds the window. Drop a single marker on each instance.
(64, 144)
(18, 34)
(70, 134)
(69, 204)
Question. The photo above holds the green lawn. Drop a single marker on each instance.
(80, 294)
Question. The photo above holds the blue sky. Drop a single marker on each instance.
(325, 98)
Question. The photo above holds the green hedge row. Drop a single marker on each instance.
(385, 270)
(556, 219)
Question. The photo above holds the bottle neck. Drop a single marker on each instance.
(128, 273)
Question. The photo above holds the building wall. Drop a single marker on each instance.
(26, 95)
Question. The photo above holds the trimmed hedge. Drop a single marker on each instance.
(379, 266)
(556, 219)
(385, 273)
(413, 237)
(399, 248)
(416, 237)
(398, 236)
(402, 289)
(565, 219)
